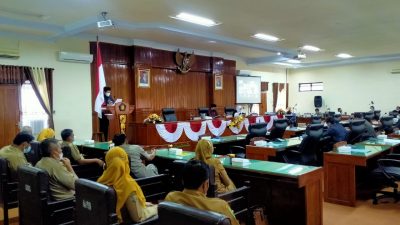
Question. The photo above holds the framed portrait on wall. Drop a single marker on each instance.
(144, 78)
(218, 82)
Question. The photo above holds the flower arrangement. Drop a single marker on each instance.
(236, 121)
(153, 118)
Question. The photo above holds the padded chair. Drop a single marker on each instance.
(177, 179)
(96, 204)
(330, 114)
(169, 114)
(155, 188)
(35, 204)
(309, 148)
(394, 113)
(387, 174)
(387, 124)
(238, 201)
(359, 115)
(337, 118)
(278, 129)
(204, 111)
(377, 114)
(35, 154)
(230, 111)
(357, 131)
(177, 214)
(369, 116)
(8, 190)
(292, 119)
(316, 120)
(256, 130)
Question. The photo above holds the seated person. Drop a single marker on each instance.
(213, 111)
(317, 112)
(335, 130)
(340, 111)
(204, 151)
(27, 129)
(195, 181)
(68, 136)
(14, 153)
(46, 133)
(136, 153)
(129, 193)
(61, 174)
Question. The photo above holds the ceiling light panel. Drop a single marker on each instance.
(266, 37)
(344, 55)
(187, 17)
(311, 48)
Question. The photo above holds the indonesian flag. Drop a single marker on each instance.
(100, 83)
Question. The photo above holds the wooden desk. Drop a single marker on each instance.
(146, 134)
(340, 173)
(293, 132)
(292, 194)
(264, 152)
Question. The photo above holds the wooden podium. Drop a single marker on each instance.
(118, 115)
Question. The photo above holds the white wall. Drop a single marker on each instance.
(71, 83)
(350, 87)
(275, 76)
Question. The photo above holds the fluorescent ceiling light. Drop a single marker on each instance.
(266, 37)
(311, 48)
(283, 64)
(344, 55)
(195, 19)
(293, 61)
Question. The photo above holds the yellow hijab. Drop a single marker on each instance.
(204, 150)
(117, 175)
(46, 133)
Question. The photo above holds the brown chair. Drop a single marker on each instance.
(8, 190)
(96, 204)
(172, 213)
(35, 204)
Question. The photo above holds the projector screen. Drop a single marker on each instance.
(248, 90)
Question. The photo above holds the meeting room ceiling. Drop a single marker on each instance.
(366, 29)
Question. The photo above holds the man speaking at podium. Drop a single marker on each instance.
(108, 101)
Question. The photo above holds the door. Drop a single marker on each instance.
(9, 113)
(263, 105)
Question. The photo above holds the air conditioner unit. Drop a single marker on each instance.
(9, 53)
(395, 71)
(75, 57)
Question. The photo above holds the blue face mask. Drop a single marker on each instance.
(27, 149)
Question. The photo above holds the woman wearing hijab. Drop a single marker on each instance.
(45, 134)
(129, 193)
(204, 151)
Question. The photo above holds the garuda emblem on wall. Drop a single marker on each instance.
(184, 61)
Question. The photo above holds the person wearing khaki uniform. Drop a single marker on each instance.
(196, 183)
(14, 153)
(68, 138)
(61, 174)
(204, 152)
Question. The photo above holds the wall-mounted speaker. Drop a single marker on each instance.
(317, 101)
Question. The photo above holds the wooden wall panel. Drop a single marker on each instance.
(168, 87)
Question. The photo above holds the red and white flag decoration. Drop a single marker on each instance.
(100, 83)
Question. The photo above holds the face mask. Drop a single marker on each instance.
(108, 94)
(27, 149)
(61, 156)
